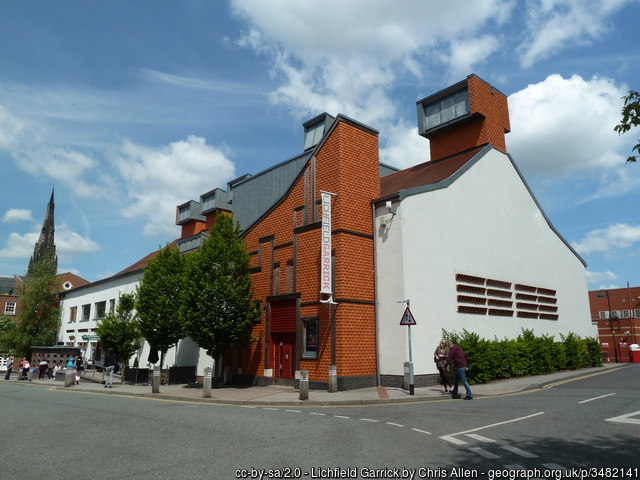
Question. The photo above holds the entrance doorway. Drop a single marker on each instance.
(284, 354)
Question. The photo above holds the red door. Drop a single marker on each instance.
(283, 355)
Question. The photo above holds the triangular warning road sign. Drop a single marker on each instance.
(407, 318)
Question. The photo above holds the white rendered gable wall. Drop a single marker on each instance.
(485, 224)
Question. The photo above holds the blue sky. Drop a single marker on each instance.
(128, 108)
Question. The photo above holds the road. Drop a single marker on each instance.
(589, 423)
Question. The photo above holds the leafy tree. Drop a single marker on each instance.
(157, 301)
(120, 329)
(630, 118)
(217, 307)
(6, 325)
(37, 320)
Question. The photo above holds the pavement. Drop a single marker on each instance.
(283, 395)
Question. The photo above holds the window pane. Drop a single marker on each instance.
(448, 111)
(432, 114)
(310, 337)
(462, 103)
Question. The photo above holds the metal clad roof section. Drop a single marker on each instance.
(253, 197)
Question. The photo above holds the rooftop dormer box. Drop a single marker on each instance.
(463, 116)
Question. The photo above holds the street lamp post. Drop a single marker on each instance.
(603, 293)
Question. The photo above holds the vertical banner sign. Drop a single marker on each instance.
(325, 252)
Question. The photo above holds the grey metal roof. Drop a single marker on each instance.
(7, 285)
(254, 196)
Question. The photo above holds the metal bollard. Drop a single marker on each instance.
(155, 386)
(206, 383)
(69, 376)
(304, 384)
(333, 379)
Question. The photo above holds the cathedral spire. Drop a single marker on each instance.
(46, 242)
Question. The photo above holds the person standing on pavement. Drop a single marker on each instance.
(25, 366)
(9, 368)
(79, 369)
(440, 357)
(109, 364)
(458, 358)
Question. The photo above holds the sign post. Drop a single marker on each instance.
(408, 320)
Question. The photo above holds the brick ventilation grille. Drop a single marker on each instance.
(531, 301)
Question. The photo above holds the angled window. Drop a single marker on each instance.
(310, 337)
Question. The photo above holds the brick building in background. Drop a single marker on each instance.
(617, 313)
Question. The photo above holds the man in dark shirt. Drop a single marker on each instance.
(460, 362)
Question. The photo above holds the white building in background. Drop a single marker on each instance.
(464, 239)
(82, 308)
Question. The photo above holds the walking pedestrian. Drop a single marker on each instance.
(42, 369)
(460, 362)
(440, 357)
(109, 364)
(9, 368)
(79, 369)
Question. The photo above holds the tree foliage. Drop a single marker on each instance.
(217, 307)
(120, 330)
(6, 325)
(158, 301)
(630, 118)
(37, 319)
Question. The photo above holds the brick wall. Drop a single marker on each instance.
(347, 165)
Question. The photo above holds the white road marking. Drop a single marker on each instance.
(484, 453)
(340, 416)
(394, 424)
(421, 431)
(518, 451)
(454, 440)
(461, 442)
(269, 408)
(480, 438)
(625, 418)
(597, 398)
(319, 414)
(369, 420)
(293, 411)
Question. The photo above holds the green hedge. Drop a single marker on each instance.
(526, 355)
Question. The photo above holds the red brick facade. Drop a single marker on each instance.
(346, 164)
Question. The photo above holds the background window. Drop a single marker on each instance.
(10, 308)
(86, 313)
(101, 309)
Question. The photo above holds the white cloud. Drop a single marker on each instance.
(17, 215)
(565, 125)
(596, 277)
(157, 180)
(405, 147)
(331, 62)
(66, 166)
(68, 244)
(606, 240)
(11, 127)
(554, 25)
(467, 53)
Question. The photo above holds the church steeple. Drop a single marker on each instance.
(46, 242)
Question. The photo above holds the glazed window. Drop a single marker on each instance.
(10, 308)
(101, 309)
(310, 337)
(86, 313)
